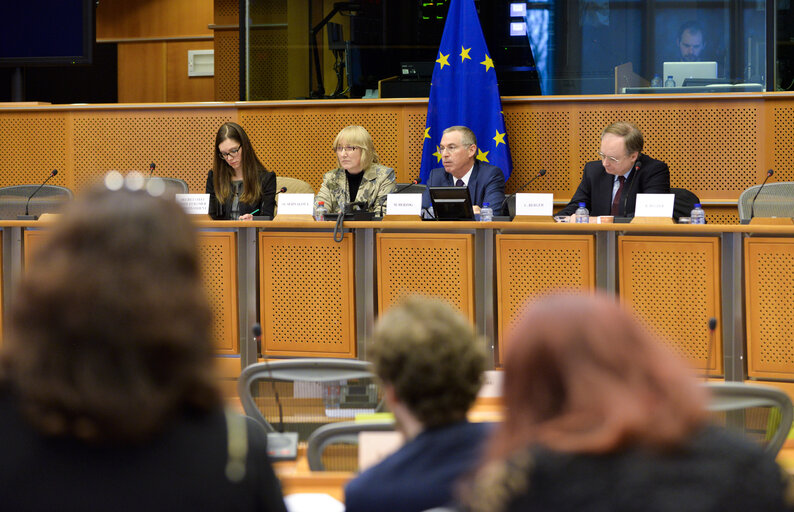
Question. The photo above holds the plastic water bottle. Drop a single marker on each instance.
(486, 213)
(656, 81)
(698, 216)
(582, 214)
(320, 211)
(669, 82)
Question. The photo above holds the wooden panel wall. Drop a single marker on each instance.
(673, 284)
(716, 145)
(153, 40)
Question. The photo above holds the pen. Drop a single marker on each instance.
(255, 212)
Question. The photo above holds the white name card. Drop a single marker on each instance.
(404, 204)
(535, 204)
(491, 384)
(654, 205)
(296, 204)
(194, 204)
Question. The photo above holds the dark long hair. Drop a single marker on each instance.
(109, 330)
(222, 172)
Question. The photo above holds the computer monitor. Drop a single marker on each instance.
(451, 203)
(683, 70)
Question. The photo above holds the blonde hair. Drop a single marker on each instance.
(358, 136)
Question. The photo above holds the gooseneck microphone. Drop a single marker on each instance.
(769, 174)
(27, 215)
(540, 173)
(151, 169)
(626, 193)
(281, 190)
(404, 186)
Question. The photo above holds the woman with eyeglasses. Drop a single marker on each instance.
(360, 178)
(238, 184)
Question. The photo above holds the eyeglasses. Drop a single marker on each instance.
(231, 152)
(346, 149)
(451, 148)
(612, 159)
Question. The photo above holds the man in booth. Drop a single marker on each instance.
(610, 186)
(430, 363)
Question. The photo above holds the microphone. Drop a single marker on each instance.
(413, 182)
(627, 193)
(769, 174)
(281, 190)
(540, 173)
(27, 215)
(712, 332)
(151, 169)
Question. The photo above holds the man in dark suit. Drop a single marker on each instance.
(430, 362)
(486, 182)
(610, 187)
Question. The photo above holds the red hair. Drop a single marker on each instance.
(583, 376)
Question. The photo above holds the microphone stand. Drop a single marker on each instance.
(769, 174)
(27, 215)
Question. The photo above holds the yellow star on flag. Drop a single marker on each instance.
(488, 63)
(437, 154)
(482, 157)
(464, 53)
(500, 138)
(427, 132)
(443, 60)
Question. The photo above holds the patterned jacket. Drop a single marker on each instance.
(378, 180)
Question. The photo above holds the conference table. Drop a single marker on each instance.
(318, 297)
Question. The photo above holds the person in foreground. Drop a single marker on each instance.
(610, 186)
(486, 182)
(359, 175)
(431, 364)
(599, 416)
(238, 184)
(108, 397)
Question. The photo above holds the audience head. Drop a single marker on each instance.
(458, 148)
(109, 328)
(429, 355)
(691, 41)
(621, 144)
(354, 149)
(583, 375)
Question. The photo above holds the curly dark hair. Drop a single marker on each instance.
(431, 355)
(109, 329)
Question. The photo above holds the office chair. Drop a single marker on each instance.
(173, 185)
(334, 447)
(762, 413)
(47, 200)
(685, 201)
(301, 395)
(775, 200)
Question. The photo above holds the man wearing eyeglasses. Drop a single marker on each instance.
(486, 182)
(610, 186)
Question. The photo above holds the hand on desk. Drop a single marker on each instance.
(476, 209)
(247, 216)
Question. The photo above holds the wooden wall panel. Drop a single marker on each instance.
(673, 284)
(127, 19)
(218, 255)
(33, 145)
(142, 72)
(307, 294)
(430, 264)
(180, 86)
(528, 266)
(769, 281)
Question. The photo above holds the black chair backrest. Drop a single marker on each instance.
(685, 200)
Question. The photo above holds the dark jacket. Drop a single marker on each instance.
(595, 189)
(266, 204)
(486, 185)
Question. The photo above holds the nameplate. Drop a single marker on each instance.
(491, 384)
(194, 204)
(404, 204)
(296, 204)
(654, 205)
(535, 204)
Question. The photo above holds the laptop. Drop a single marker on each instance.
(683, 70)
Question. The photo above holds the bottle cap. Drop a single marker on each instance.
(321, 203)
(697, 205)
(486, 205)
(581, 205)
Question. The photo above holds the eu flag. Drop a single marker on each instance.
(464, 91)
